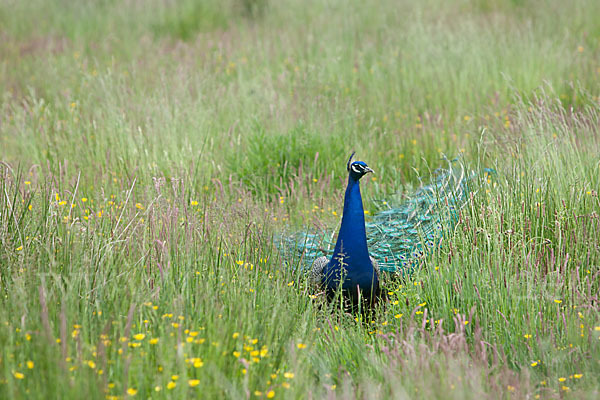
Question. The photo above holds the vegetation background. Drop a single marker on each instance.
(151, 149)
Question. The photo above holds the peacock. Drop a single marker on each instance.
(395, 240)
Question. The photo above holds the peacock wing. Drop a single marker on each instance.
(315, 276)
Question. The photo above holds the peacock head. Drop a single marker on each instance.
(357, 169)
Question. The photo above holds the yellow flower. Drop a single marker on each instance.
(285, 385)
(235, 335)
(18, 375)
(91, 364)
(28, 182)
(84, 199)
(139, 206)
(270, 394)
(193, 382)
(198, 363)
(533, 364)
(557, 301)
(236, 354)
(561, 379)
(194, 202)
(30, 364)
(301, 345)
(139, 336)
(577, 376)
(153, 340)
(257, 393)
(174, 377)
(19, 248)
(289, 375)
(527, 336)
(466, 322)
(171, 385)
(132, 391)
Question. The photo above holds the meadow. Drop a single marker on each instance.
(150, 151)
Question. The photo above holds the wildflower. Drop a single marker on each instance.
(270, 394)
(84, 199)
(19, 248)
(30, 364)
(237, 354)
(132, 391)
(18, 375)
(301, 345)
(153, 340)
(510, 388)
(289, 375)
(561, 379)
(235, 335)
(285, 385)
(139, 206)
(533, 364)
(174, 377)
(157, 388)
(28, 182)
(91, 364)
(193, 382)
(139, 336)
(171, 385)
(557, 301)
(466, 322)
(577, 376)
(194, 203)
(257, 393)
(527, 336)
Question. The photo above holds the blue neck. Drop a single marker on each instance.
(351, 246)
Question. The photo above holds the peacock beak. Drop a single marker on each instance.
(367, 170)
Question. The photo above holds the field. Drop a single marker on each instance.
(150, 151)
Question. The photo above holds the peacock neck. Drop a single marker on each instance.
(352, 240)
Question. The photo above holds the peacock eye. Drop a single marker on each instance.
(356, 169)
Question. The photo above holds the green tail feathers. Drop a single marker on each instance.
(401, 235)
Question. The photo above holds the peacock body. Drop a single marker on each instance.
(394, 240)
(350, 265)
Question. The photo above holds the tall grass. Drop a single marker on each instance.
(151, 150)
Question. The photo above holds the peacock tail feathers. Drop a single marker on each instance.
(401, 235)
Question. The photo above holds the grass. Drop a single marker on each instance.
(151, 150)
